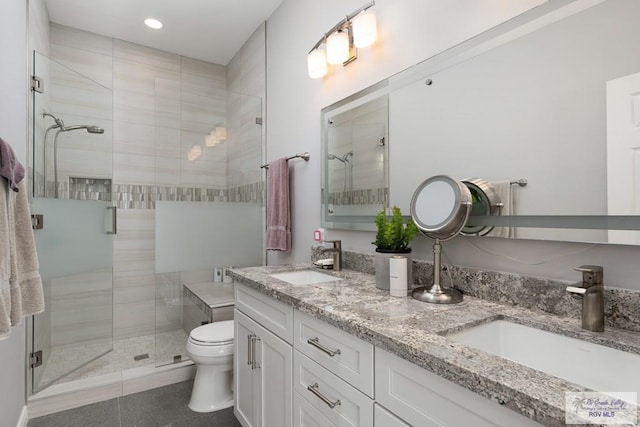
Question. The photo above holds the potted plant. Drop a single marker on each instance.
(393, 238)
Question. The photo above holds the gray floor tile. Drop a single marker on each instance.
(157, 407)
(160, 407)
(102, 414)
(223, 418)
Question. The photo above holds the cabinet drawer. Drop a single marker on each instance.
(348, 357)
(270, 313)
(384, 418)
(306, 415)
(342, 404)
(422, 398)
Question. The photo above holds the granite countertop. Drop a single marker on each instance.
(213, 294)
(414, 331)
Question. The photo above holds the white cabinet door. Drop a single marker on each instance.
(263, 366)
(275, 371)
(245, 382)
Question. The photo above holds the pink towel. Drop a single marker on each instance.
(10, 167)
(278, 217)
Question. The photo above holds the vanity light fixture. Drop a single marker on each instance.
(358, 29)
(153, 23)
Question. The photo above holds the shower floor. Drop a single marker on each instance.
(167, 345)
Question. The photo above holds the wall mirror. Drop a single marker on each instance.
(551, 97)
(355, 160)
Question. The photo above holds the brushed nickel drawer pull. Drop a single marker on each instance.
(314, 389)
(316, 343)
(249, 349)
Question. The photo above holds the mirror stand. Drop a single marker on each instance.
(436, 294)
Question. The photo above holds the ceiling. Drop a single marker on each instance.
(209, 30)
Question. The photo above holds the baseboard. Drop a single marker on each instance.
(24, 417)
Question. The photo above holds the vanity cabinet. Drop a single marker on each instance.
(332, 373)
(422, 398)
(263, 360)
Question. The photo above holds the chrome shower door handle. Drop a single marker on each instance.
(114, 220)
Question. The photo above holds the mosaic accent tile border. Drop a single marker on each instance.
(89, 189)
(129, 196)
(622, 306)
(360, 197)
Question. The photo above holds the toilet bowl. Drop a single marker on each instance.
(210, 347)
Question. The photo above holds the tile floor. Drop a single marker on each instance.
(161, 348)
(160, 407)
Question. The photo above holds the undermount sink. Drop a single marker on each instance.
(591, 365)
(304, 277)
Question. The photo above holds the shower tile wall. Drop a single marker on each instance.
(163, 104)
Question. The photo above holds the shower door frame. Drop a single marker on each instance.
(98, 225)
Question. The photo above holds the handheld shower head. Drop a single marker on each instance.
(88, 128)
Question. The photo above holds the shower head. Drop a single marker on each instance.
(344, 159)
(88, 128)
(334, 157)
(59, 122)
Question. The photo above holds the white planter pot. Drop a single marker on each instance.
(381, 264)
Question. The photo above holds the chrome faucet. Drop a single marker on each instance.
(592, 292)
(336, 250)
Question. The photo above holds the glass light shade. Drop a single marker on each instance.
(221, 133)
(365, 31)
(317, 63)
(338, 47)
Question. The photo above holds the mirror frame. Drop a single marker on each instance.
(530, 21)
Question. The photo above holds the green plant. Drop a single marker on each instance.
(393, 234)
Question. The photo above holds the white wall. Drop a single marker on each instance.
(409, 31)
(13, 129)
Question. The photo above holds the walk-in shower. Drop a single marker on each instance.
(114, 312)
(60, 126)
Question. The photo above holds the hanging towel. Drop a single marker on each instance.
(10, 167)
(278, 216)
(504, 190)
(21, 291)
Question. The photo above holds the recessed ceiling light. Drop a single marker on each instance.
(153, 23)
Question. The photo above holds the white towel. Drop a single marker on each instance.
(504, 190)
(20, 283)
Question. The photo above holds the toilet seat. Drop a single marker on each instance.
(213, 334)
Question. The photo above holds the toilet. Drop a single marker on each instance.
(210, 347)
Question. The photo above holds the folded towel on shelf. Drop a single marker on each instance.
(21, 291)
(10, 167)
(278, 215)
(504, 190)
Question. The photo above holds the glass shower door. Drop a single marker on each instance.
(71, 171)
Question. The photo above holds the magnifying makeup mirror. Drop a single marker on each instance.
(485, 202)
(440, 207)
